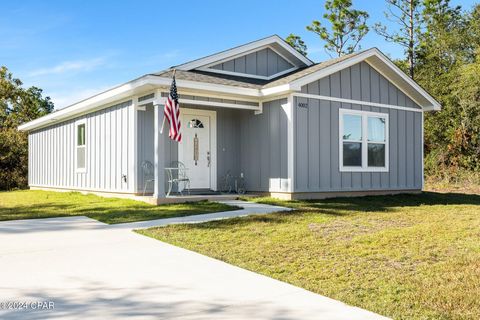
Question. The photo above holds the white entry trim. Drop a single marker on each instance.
(213, 141)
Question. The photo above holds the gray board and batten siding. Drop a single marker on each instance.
(51, 161)
(255, 145)
(265, 62)
(317, 134)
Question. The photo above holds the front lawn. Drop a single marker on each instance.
(405, 256)
(31, 204)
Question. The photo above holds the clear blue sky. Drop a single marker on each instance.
(73, 49)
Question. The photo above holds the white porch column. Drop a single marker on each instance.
(159, 155)
(289, 110)
(132, 171)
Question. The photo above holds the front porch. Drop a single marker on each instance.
(211, 149)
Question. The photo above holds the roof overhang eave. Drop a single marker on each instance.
(427, 102)
(127, 90)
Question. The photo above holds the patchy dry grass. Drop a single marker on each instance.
(32, 204)
(468, 183)
(405, 256)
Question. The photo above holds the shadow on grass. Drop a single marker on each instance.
(344, 207)
(108, 211)
(335, 206)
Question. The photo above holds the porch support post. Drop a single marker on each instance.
(133, 173)
(289, 110)
(159, 156)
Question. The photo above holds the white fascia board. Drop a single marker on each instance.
(242, 49)
(435, 104)
(127, 90)
(112, 95)
(284, 88)
(219, 104)
(156, 80)
(297, 84)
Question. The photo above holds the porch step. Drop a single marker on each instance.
(199, 192)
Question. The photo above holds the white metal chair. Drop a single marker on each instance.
(180, 177)
(148, 174)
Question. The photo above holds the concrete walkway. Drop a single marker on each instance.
(247, 208)
(95, 271)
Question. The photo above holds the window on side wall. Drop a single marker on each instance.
(81, 147)
(363, 141)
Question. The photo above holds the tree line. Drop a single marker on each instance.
(441, 45)
(17, 105)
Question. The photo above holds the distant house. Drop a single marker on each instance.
(291, 127)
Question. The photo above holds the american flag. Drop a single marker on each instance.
(172, 113)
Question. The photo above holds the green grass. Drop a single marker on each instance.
(405, 256)
(30, 204)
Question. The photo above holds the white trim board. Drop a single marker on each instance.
(208, 67)
(217, 104)
(73, 188)
(435, 104)
(369, 57)
(268, 46)
(133, 145)
(289, 111)
(423, 156)
(184, 92)
(248, 75)
(364, 56)
(125, 92)
(206, 103)
(351, 101)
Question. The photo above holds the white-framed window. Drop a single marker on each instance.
(80, 146)
(363, 141)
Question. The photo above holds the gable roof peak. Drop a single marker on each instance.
(275, 41)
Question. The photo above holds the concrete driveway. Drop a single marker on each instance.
(94, 271)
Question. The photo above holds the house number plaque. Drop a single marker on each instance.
(302, 104)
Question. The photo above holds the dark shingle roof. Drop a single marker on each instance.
(306, 71)
(214, 78)
(244, 82)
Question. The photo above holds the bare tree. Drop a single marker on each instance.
(406, 14)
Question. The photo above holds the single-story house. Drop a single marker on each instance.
(290, 127)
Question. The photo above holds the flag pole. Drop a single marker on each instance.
(163, 122)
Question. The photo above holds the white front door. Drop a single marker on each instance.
(195, 150)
